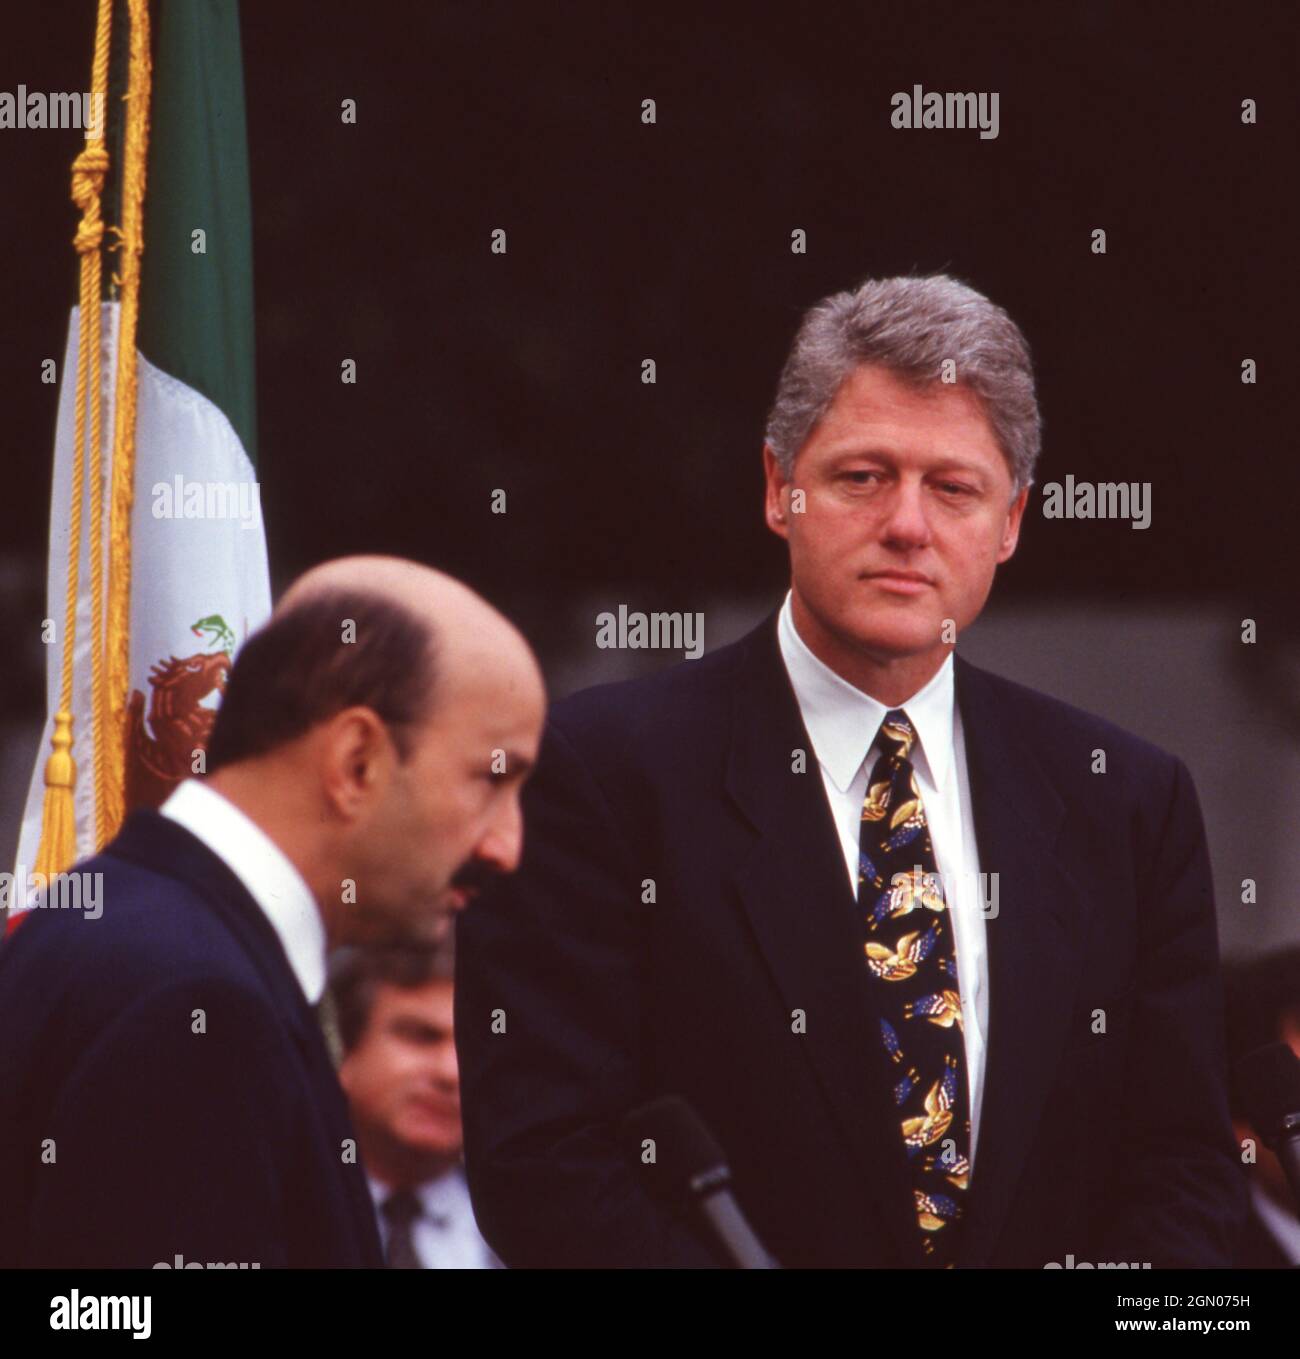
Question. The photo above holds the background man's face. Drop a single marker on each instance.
(401, 1077)
(895, 479)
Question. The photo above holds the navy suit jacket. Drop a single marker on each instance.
(1108, 1147)
(224, 1146)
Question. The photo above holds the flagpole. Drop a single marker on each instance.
(110, 791)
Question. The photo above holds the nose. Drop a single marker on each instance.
(503, 845)
(906, 524)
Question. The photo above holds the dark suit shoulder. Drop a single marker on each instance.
(1065, 740)
(156, 937)
(151, 927)
(687, 699)
(1049, 714)
(669, 702)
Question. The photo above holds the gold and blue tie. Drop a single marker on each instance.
(912, 962)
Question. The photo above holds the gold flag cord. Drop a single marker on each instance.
(110, 790)
(110, 636)
(58, 845)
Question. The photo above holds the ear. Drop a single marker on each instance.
(776, 500)
(1011, 530)
(357, 760)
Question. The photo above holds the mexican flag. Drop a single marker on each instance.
(188, 570)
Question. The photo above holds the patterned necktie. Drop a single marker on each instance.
(912, 961)
(400, 1209)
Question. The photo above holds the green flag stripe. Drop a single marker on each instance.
(196, 309)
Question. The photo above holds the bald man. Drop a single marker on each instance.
(171, 1102)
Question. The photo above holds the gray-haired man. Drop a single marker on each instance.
(944, 995)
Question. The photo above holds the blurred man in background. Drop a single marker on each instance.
(399, 1073)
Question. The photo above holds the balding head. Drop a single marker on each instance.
(383, 721)
(468, 634)
(391, 634)
(433, 595)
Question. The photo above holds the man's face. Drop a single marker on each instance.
(401, 1077)
(449, 820)
(907, 512)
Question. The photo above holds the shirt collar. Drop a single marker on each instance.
(439, 1197)
(842, 721)
(264, 869)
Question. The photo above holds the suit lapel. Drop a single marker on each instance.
(803, 913)
(1032, 944)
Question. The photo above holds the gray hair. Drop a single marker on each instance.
(911, 326)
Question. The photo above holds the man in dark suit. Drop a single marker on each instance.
(931, 954)
(166, 1097)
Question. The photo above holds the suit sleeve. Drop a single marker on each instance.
(548, 1020)
(162, 1139)
(1180, 1198)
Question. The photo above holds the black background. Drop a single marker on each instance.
(672, 242)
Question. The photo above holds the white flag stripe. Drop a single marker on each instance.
(185, 568)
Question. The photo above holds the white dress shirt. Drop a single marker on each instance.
(842, 724)
(264, 869)
(445, 1234)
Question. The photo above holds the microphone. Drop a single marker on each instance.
(695, 1168)
(1268, 1080)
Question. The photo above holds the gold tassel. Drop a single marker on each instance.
(59, 817)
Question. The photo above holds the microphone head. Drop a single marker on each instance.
(1268, 1080)
(686, 1152)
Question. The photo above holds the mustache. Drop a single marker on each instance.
(475, 876)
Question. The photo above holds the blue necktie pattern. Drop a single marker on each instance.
(911, 958)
